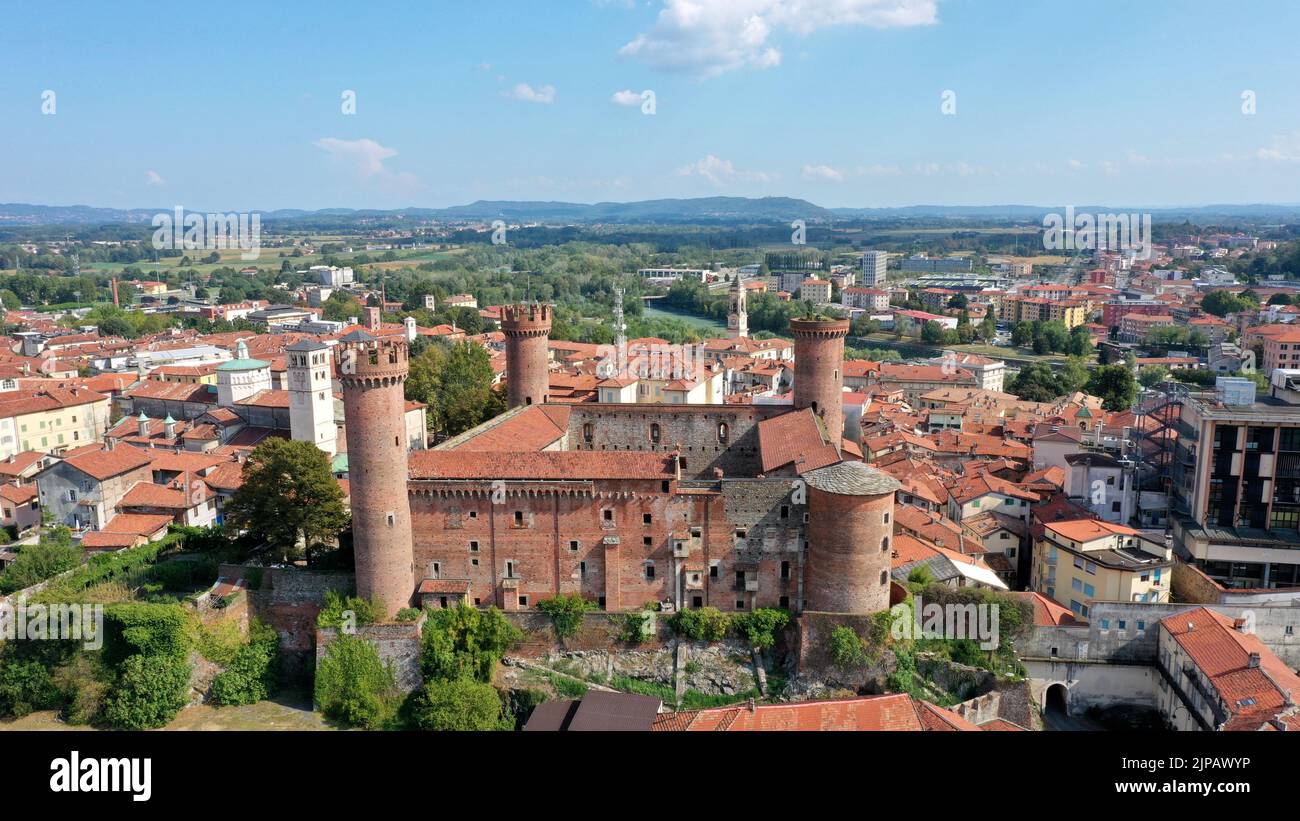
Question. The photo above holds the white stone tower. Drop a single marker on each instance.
(311, 394)
(737, 320)
(241, 377)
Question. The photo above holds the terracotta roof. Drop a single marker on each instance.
(1086, 530)
(544, 465)
(103, 464)
(18, 494)
(145, 524)
(460, 586)
(796, 437)
(1049, 612)
(532, 428)
(168, 497)
(895, 711)
(21, 462)
(1253, 695)
(108, 540)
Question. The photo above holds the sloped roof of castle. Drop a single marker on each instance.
(543, 465)
(852, 479)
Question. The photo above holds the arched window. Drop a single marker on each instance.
(654, 432)
(587, 432)
(722, 432)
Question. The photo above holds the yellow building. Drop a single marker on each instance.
(51, 420)
(1081, 561)
(205, 374)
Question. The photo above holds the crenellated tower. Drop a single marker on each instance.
(373, 372)
(526, 328)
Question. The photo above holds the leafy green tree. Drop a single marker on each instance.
(566, 611)
(761, 626)
(150, 690)
(1152, 375)
(464, 642)
(340, 307)
(1036, 383)
(1080, 342)
(455, 381)
(35, 563)
(459, 704)
(1115, 385)
(1222, 303)
(288, 496)
(846, 647)
(353, 685)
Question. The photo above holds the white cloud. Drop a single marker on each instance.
(626, 97)
(822, 172)
(364, 157)
(1281, 149)
(710, 37)
(154, 178)
(528, 94)
(721, 172)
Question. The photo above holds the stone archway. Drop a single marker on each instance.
(1056, 698)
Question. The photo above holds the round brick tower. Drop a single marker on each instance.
(526, 328)
(373, 372)
(850, 538)
(819, 370)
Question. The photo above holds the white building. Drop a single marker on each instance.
(241, 377)
(311, 395)
(873, 268)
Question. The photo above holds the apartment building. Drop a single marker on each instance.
(51, 420)
(1235, 481)
(873, 268)
(1080, 561)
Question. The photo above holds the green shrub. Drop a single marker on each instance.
(634, 627)
(566, 611)
(353, 685)
(220, 642)
(568, 687)
(25, 686)
(846, 648)
(148, 629)
(701, 624)
(627, 684)
(174, 575)
(459, 705)
(335, 605)
(253, 674)
(150, 690)
(761, 626)
(408, 614)
(463, 642)
(38, 562)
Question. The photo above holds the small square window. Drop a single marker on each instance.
(607, 514)
(647, 541)
(523, 601)
(573, 545)
(473, 547)
(740, 604)
(473, 562)
(645, 518)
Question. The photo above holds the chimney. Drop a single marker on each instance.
(169, 426)
(143, 424)
(1254, 661)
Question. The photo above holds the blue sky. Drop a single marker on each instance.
(238, 105)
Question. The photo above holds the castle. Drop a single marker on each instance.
(729, 506)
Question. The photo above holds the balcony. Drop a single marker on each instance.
(510, 583)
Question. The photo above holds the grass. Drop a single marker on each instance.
(567, 687)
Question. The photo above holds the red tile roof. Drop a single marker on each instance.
(104, 464)
(544, 465)
(871, 713)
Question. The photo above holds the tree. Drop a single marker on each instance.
(1080, 342)
(38, 562)
(1036, 383)
(1115, 385)
(353, 684)
(1222, 303)
(288, 496)
(464, 642)
(341, 307)
(1279, 299)
(1152, 375)
(456, 383)
(459, 705)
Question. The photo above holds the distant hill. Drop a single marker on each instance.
(700, 209)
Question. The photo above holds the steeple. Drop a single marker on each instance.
(737, 320)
